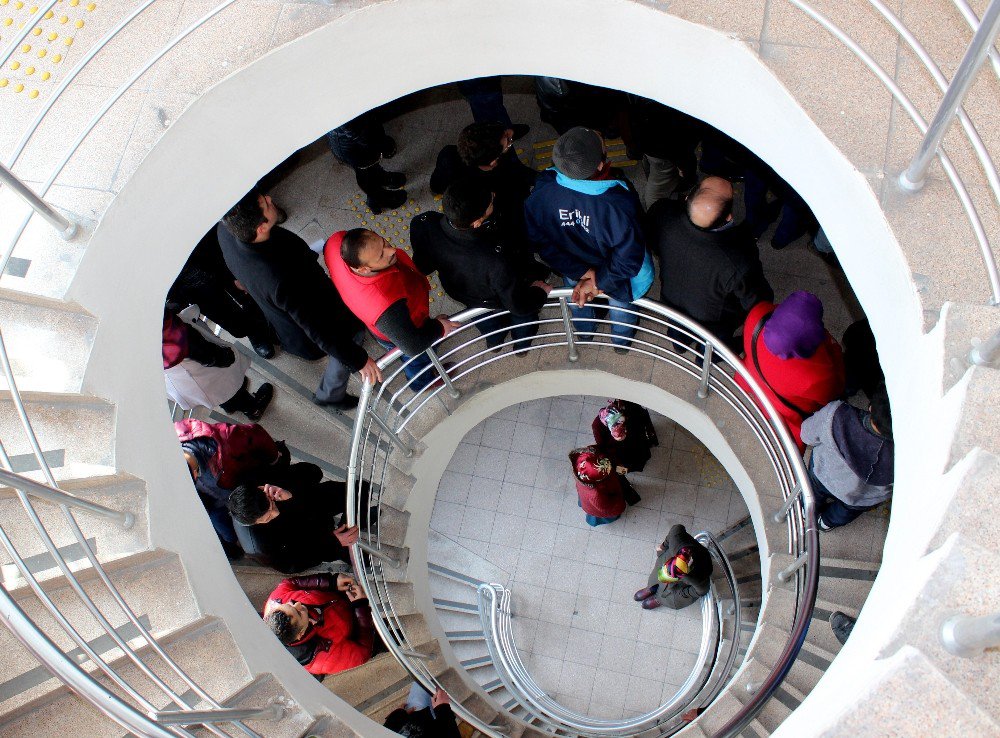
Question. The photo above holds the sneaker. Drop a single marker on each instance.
(842, 624)
(348, 402)
(822, 524)
(386, 200)
(392, 180)
(262, 398)
(643, 594)
(651, 603)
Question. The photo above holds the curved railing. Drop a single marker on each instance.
(385, 412)
(714, 663)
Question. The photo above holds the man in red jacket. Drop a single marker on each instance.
(323, 620)
(382, 287)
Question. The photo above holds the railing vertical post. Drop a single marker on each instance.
(66, 227)
(706, 371)
(985, 352)
(394, 439)
(568, 326)
(449, 387)
(915, 175)
(783, 512)
(967, 636)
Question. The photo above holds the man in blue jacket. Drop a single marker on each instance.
(583, 218)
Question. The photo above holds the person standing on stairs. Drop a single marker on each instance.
(682, 574)
(851, 465)
(362, 144)
(383, 287)
(424, 715)
(285, 279)
(583, 220)
(323, 620)
(201, 370)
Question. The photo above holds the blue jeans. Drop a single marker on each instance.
(834, 512)
(583, 319)
(413, 367)
(418, 698)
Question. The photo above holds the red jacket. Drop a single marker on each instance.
(241, 449)
(342, 636)
(809, 384)
(369, 297)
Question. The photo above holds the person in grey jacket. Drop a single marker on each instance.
(682, 574)
(851, 467)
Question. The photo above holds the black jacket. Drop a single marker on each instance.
(714, 277)
(439, 725)
(300, 302)
(474, 268)
(696, 583)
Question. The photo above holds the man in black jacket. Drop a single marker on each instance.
(466, 248)
(709, 266)
(307, 313)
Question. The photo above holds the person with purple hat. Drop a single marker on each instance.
(794, 359)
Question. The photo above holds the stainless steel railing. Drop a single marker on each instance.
(714, 664)
(385, 412)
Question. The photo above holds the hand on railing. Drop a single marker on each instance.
(440, 698)
(448, 324)
(370, 373)
(347, 536)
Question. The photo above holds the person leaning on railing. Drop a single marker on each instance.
(424, 716)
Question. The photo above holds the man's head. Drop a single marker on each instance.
(468, 203)
(288, 620)
(580, 153)
(881, 415)
(253, 217)
(482, 144)
(711, 205)
(252, 504)
(366, 252)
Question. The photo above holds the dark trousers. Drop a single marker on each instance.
(513, 324)
(834, 512)
(415, 365)
(485, 98)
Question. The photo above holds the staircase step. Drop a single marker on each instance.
(846, 582)
(261, 692)
(118, 492)
(155, 588)
(48, 342)
(256, 581)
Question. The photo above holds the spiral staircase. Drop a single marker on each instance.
(122, 612)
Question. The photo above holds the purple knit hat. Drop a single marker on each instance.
(795, 330)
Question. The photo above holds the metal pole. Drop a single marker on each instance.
(443, 374)
(783, 512)
(967, 636)
(57, 496)
(786, 574)
(706, 370)
(913, 178)
(568, 325)
(274, 711)
(65, 226)
(393, 438)
(985, 352)
(372, 551)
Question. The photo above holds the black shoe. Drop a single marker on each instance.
(388, 149)
(621, 350)
(262, 398)
(842, 625)
(386, 200)
(264, 349)
(349, 402)
(232, 550)
(392, 180)
(520, 130)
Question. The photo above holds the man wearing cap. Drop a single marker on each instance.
(682, 574)
(583, 218)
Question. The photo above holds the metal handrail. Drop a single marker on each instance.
(714, 663)
(973, 20)
(394, 404)
(58, 497)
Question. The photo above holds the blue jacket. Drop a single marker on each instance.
(574, 231)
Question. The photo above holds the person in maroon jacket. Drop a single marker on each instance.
(323, 620)
(598, 485)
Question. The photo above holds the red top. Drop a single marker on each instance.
(809, 384)
(369, 296)
(241, 449)
(175, 341)
(342, 641)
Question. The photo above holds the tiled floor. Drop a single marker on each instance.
(509, 495)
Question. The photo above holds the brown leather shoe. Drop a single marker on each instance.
(643, 594)
(651, 603)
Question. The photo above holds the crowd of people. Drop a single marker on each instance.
(504, 238)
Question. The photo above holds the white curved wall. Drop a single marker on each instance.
(251, 121)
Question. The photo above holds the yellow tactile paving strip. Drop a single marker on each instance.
(32, 65)
(394, 226)
(542, 154)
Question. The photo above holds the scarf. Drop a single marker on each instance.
(676, 567)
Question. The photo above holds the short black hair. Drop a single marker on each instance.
(412, 729)
(479, 143)
(881, 414)
(466, 201)
(244, 217)
(247, 503)
(281, 625)
(352, 244)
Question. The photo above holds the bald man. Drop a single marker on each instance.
(709, 266)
